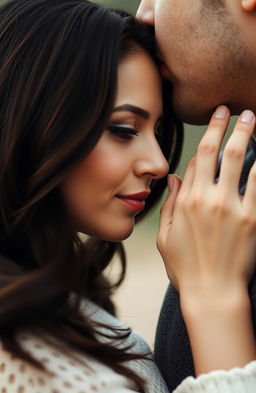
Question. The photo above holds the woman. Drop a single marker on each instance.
(85, 140)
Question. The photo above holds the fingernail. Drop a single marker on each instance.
(170, 182)
(221, 112)
(247, 117)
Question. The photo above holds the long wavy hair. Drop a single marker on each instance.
(58, 78)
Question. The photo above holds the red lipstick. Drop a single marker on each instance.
(135, 202)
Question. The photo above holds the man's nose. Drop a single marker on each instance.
(146, 12)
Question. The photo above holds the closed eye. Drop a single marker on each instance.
(126, 133)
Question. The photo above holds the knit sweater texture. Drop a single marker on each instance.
(80, 373)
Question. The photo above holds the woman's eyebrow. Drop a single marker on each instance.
(134, 109)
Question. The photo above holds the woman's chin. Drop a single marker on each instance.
(110, 235)
(119, 236)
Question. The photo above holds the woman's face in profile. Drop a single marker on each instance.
(106, 190)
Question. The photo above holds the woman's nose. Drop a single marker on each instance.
(146, 12)
(153, 163)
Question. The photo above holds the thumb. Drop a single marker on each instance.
(174, 184)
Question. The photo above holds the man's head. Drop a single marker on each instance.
(209, 47)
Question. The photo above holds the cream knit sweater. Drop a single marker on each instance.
(83, 374)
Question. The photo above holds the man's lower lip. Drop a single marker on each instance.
(132, 204)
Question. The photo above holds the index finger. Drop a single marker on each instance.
(234, 152)
(209, 147)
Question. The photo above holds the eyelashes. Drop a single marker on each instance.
(125, 133)
(128, 133)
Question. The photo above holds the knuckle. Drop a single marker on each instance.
(207, 147)
(247, 222)
(233, 152)
(220, 208)
(194, 203)
(244, 128)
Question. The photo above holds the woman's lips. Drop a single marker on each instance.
(134, 202)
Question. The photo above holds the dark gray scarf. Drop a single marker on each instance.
(172, 349)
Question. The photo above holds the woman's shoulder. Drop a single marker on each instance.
(146, 367)
(101, 316)
(64, 372)
(71, 370)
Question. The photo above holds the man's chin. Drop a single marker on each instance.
(198, 120)
(192, 114)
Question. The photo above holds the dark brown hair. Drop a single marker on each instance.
(58, 76)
